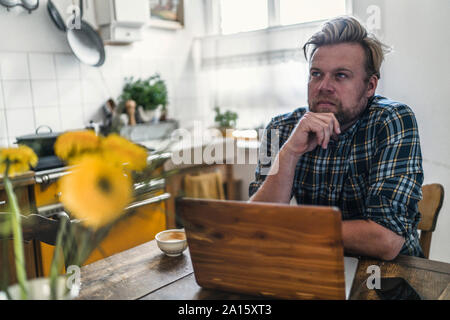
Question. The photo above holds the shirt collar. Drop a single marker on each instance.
(350, 131)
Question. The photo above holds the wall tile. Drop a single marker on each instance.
(148, 67)
(132, 67)
(164, 67)
(67, 67)
(93, 91)
(93, 112)
(3, 128)
(42, 66)
(45, 93)
(14, 66)
(20, 122)
(72, 118)
(17, 94)
(89, 72)
(49, 116)
(113, 67)
(113, 86)
(69, 92)
(2, 104)
(11, 141)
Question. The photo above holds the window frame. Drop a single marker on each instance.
(213, 14)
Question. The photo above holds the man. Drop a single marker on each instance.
(352, 149)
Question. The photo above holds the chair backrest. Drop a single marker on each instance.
(429, 207)
(37, 227)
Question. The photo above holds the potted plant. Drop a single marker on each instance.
(148, 95)
(226, 120)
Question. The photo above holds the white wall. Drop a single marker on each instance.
(41, 82)
(417, 72)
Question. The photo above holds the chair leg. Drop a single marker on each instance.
(425, 242)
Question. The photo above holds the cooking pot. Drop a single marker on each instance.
(42, 144)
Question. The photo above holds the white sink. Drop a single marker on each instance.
(149, 131)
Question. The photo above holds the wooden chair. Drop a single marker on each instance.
(429, 207)
(37, 227)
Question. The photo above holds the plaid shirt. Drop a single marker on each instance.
(374, 171)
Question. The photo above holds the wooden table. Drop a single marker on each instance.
(145, 273)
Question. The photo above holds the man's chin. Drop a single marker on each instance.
(325, 108)
(330, 109)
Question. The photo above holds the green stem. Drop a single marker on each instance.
(17, 234)
(83, 247)
(56, 261)
(70, 247)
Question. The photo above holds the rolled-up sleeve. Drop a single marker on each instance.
(396, 177)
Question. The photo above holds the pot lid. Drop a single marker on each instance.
(40, 135)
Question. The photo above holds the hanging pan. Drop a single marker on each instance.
(56, 17)
(83, 40)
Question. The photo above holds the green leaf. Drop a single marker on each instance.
(149, 93)
(226, 119)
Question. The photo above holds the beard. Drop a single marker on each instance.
(345, 115)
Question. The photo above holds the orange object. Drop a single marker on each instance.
(138, 228)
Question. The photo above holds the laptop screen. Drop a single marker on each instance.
(267, 249)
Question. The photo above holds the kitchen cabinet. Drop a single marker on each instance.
(46, 196)
(140, 225)
(121, 21)
(23, 187)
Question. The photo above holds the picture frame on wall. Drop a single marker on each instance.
(167, 14)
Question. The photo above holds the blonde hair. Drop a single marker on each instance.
(347, 29)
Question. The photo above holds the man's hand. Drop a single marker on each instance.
(312, 130)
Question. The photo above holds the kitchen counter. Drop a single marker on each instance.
(201, 156)
(236, 159)
(206, 151)
(19, 180)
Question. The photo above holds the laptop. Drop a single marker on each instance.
(266, 249)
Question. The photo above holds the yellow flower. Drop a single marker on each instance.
(72, 144)
(19, 159)
(118, 149)
(96, 191)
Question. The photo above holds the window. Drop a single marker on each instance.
(241, 16)
(298, 11)
(248, 15)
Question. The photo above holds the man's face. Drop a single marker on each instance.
(336, 82)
